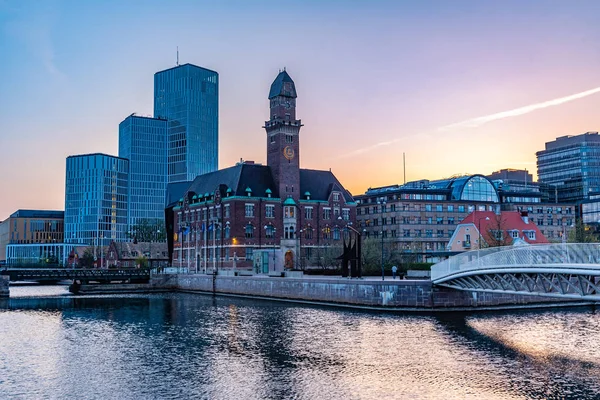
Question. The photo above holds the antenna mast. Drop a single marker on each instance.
(177, 55)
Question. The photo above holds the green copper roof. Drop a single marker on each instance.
(268, 191)
(229, 190)
(195, 197)
(278, 87)
(289, 202)
(248, 190)
(307, 193)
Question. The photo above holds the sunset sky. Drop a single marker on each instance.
(459, 86)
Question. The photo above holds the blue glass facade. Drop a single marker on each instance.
(96, 196)
(188, 97)
(572, 165)
(143, 141)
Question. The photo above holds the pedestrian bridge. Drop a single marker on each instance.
(554, 270)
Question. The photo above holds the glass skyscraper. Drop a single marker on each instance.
(188, 97)
(143, 141)
(571, 164)
(96, 196)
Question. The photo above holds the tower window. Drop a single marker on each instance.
(289, 139)
(272, 138)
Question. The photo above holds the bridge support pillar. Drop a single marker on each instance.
(4, 290)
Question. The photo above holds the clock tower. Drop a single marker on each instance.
(283, 137)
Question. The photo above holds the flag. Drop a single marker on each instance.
(210, 227)
(203, 228)
(187, 230)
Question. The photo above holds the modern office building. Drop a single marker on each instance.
(28, 227)
(265, 217)
(572, 165)
(143, 141)
(187, 96)
(420, 217)
(96, 199)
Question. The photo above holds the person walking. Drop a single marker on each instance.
(394, 270)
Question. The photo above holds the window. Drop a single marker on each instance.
(270, 211)
(461, 208)
(406, 232)
(308, 212)
(440, 233)
(439, 220)
(249, 210)
(227, 232)
(384, 221)
(227, 211)
(430, 220)
(450, 220)
(393, 233)
(327, 233)
(327, 213)
(498, 235)
(249, 231)
(514, 234)
(336, 196)
(336, 233)
(417, 232)
(270, 232)
(249, 253)
(392, 207)
(376, 222)
(438, 208)
(530, 235)
(272, 138)
(345, 214)
(467, 240)
(450, 208)
(427, 207)
(289, 139)
(429, 233)
(393, 220)
(308, 233)
(289, 211)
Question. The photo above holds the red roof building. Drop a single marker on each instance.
(482, 229)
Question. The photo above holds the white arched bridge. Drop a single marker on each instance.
(556, 270)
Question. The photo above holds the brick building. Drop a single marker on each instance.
(261, 217)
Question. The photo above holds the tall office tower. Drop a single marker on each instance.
(188, 97)
(96, 192)
(572, 165)
(143, 141)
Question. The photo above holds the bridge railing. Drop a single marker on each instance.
(517, 256)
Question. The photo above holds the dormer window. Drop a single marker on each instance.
(336, 196)
(514, 234)
(268, 192)
(530, 235)
(248, 192)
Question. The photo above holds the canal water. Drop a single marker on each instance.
(180, 346)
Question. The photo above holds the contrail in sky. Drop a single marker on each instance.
(475, 122)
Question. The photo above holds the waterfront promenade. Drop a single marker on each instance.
(370, 292)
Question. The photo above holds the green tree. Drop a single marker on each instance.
(87, 259)
(141, 262)
(581, 233)
(147, 230)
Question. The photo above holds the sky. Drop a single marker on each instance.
(457, 86)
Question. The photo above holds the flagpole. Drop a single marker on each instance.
(205, 233)
(214, 247)
(188, 249)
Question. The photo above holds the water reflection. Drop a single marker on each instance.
(194, 346)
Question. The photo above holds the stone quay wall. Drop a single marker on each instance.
(4, 290)
(404, 294)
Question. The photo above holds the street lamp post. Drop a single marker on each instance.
(479, 233)
(382, 203)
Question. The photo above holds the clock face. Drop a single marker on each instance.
(288, 152)
(287, 104)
